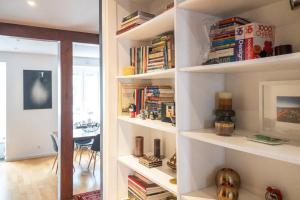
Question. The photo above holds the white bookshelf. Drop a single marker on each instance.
(164, 74)
(153, 124)
(209, 193)
(160, 175)
(200, 152)
(274, 63)
(159, 24)
(239, 142)
(223, 7)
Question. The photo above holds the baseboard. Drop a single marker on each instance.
(30, 157)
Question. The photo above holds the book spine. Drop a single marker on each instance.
(138, 13)
(135, 182)
(127, 29)
(223, 42)
(132, 15)
(240, 43)
(136, 101)
(227, 59)
(221, 53)
(222, 31)
(249, 36)
(223, 47)
(135, 19)
(155, 55)
(233, 19)
(132, 188)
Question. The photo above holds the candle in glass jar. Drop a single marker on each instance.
(225, 100)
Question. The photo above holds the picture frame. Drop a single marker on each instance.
(37, 89)
(279, 108)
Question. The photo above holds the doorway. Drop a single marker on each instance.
(65, 126)
(29, 84)
(86, 118)
(3, 109)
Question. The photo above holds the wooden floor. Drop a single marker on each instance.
(33, 179)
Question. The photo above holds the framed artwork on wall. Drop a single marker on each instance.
(280, 108)
(37, 89)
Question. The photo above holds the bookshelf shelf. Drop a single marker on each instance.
(158, 25)
(164, 74)
(199, 152)
(159, 175)
(286, 152)
(275, 63)
(154, 124)
(209, 193)
(223, 8)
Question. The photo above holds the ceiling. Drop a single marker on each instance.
(20, 45)
(74, 15)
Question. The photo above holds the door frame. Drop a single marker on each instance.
(66, 39)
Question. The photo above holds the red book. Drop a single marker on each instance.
(136, 101)
(140, 183)
(233, 19)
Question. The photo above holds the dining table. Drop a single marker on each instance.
(80, 134)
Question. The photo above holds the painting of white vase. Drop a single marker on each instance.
(37, 88)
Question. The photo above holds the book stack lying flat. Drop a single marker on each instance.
(155, 96)
(162, 53)
(133, 20)
(222, 39)
(139, 59)
(140, 188)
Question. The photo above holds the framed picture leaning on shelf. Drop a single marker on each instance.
(127, 96)
(280, 108)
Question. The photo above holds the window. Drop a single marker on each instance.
(86, 94)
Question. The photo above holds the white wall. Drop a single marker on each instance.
(2, 100)
(28, 131)
(2, 108)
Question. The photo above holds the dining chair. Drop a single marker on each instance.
(55, 148)
(81, 146)
(95, 150)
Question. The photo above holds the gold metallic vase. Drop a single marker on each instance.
(228, 177)
(227, 193)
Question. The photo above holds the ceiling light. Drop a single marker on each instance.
(31, 3)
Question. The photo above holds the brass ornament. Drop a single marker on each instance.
(172, 162)
(228, 177)
(173, 181)
(227, 193)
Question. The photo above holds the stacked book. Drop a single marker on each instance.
(139, 59)
(222, 39)
(162, 53)
(133, 20)
(155, 96)
(140, 188)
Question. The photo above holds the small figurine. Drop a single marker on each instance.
(132, 110)
(273, 194)
(152, 116)
(143, 115)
